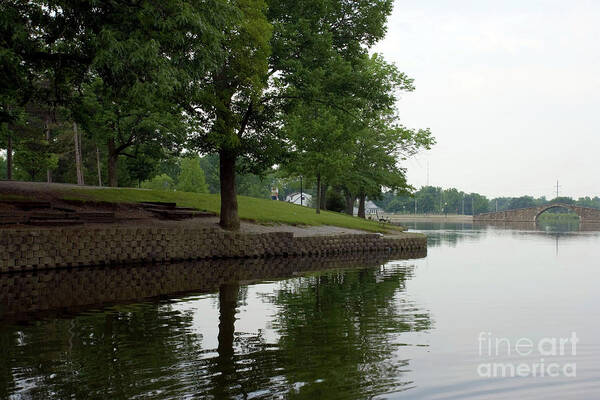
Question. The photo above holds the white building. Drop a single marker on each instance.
(294, 198)
(371, 209)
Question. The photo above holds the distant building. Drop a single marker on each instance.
(294, 198)
(371, 209)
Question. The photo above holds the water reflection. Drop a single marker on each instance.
(71, 290)
(350, 328)
(331, 333)
(451, 234)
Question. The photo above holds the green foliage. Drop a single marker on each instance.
(355, 141)
(247, 184)
(251, 83)
(237, 83)
(160, 182)
(15, 85)
(335, 201)
(254, 185)
(33, 154)
(435, 200)
(210, 166)
(320, 143)
(33, 159)
(141, 164)
(191, 178)
(553, 217)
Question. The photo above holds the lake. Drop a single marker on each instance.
(490, 312)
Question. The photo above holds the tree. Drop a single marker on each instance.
(376, 141)
(521, 202)
(33, 158)
(144, 58)
(246, 184)
(480, 203)
(352, 138)
(335, 200)
(34, 154)
(210, 166)
(130, 116)
(377, 163)
(159, 182)
(15, 74)
(191, 178)
(143, 163)
(16, 70)
(321, 146)
(308, 40)
(236, 87)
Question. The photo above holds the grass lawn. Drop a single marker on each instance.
(251, 209)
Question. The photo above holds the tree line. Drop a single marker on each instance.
(436, 200)
(111, 92)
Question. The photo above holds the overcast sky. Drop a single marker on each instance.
(510, 90)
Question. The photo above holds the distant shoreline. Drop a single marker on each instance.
(399, 218)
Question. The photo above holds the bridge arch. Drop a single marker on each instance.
(587, 215)
(542, 209)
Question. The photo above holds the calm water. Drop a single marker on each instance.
(424, 328)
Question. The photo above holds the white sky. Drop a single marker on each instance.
(510, 90)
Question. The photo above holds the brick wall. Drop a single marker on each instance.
(30, 249)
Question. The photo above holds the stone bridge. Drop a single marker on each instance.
(530, 214)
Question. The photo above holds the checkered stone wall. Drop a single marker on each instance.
(31, 249)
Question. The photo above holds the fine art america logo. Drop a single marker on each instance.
(549, 355)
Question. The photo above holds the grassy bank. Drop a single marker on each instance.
(250, 209)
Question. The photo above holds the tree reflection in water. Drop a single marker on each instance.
(338, 335)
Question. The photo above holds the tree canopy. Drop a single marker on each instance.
(121, 89)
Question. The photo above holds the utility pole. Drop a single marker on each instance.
(472, 205)
(47, 129)
(463, 205)
(415, 206)
(427, 172)
(496, 205)
(78, 161)
(557, 188)
(98, 166)
(9, 157)
(301, 195)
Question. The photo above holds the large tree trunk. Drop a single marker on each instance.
(9, 157)
(318, 204)
(324, 187)
(225, 363)
(229, 207)
(78, 165)
(47, 129)
(361, 205)
(228, 294)
(349, 208)
(112, 163)
(98, 165)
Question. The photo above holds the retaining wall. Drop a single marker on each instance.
(29, 249)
